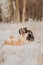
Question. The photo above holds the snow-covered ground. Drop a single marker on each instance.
(30, 53)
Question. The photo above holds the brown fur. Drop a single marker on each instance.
(19, 42)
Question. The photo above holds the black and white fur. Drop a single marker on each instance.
(29, 33)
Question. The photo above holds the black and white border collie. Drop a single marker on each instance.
(29, 37)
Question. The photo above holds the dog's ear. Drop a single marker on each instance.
(20, 30)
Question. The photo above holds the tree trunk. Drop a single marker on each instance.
(24, 9)
(17, 15)
(0, 14)
(42, 9)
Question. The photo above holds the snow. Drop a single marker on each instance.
(30, 53)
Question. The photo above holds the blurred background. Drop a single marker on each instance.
(21, 10)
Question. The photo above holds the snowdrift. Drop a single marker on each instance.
(30, 53)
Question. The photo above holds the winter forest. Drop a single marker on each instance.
(21, 32)
(20, 10)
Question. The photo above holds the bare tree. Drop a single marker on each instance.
(17, 15)
(24, 10)
(42, 9)
(0, 14)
